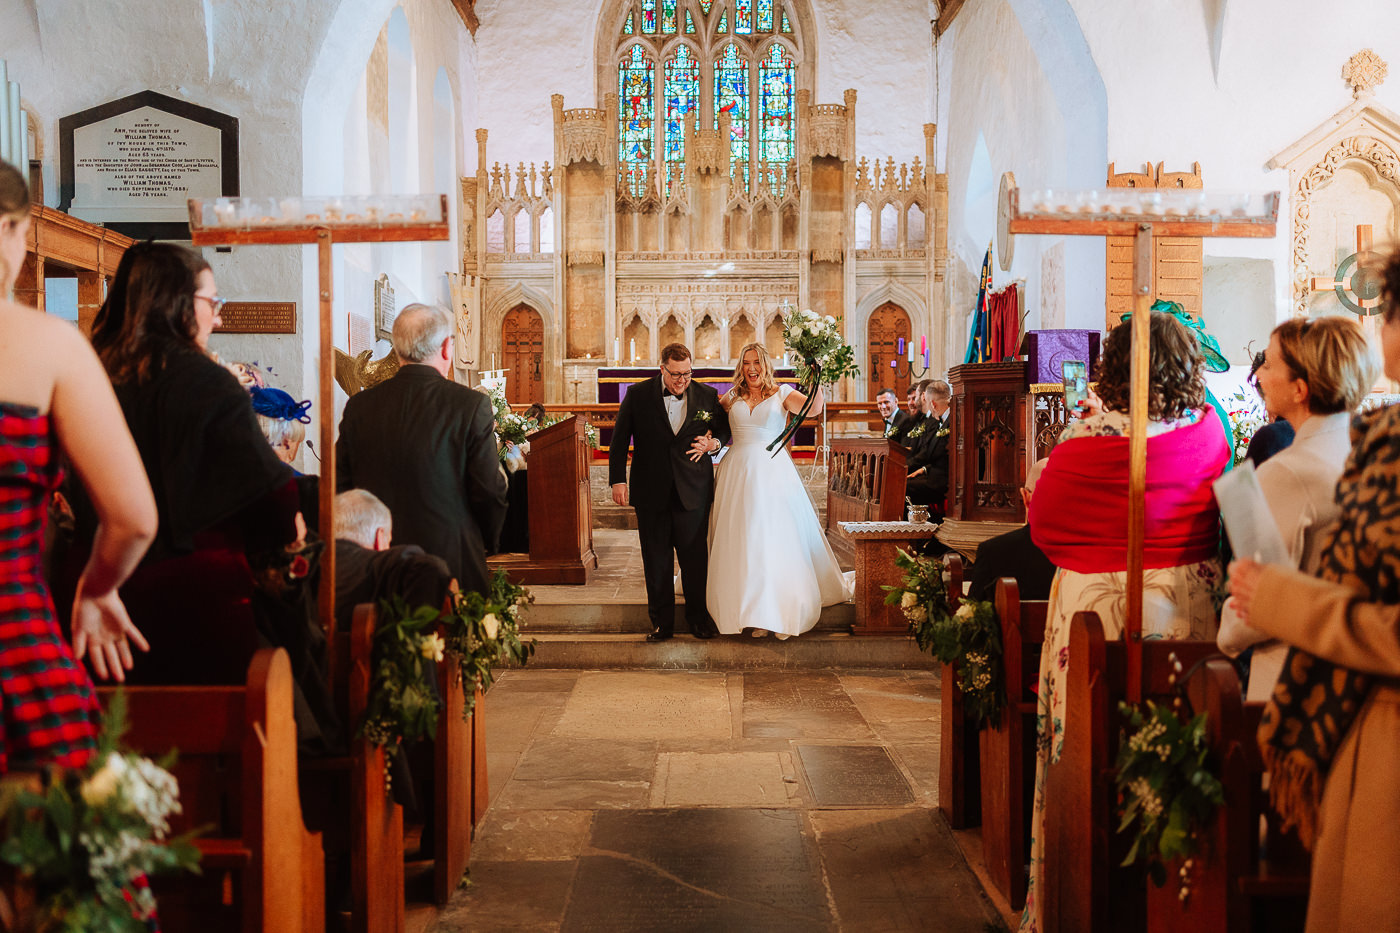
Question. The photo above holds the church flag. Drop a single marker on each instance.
(979, 344)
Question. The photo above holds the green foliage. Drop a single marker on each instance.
(969, 639)
(484, 629)
(1168, 789)
(89, 837)
(403, 703)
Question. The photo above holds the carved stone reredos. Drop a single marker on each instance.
(826, 128)
(583, 135)
(1365, 71)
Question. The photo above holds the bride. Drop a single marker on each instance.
(771, 568)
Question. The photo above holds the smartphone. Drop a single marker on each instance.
(1076, 377)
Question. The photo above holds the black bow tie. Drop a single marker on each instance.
(667, 393)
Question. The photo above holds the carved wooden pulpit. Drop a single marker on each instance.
(561, 509)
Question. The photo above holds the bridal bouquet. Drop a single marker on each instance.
(822, 357)
(87, 840)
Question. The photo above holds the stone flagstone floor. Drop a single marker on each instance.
(674, 800)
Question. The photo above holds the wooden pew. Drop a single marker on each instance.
(865, 483)
(1008, 748)
(237, 770)
(1085, 890)
(959, 790)
(1237, 885)
(459, 781)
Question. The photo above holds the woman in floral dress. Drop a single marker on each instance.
(1079, 518)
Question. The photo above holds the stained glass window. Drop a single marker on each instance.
(668, 17)
(627, 27)
(743, 17)
(775, 97)
(787, 27)
(705, 6)
(765, 16)
(723, 26)
(649, 16)
(689, 24)
(635, 116)
(682, 91)
(732, 95)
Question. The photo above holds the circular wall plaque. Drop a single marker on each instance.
(1006, 245)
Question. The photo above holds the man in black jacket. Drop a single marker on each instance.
(896, 419)
(928, 452)
(672, 424)
(426, 446)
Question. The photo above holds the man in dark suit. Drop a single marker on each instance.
(1014, 554)
(928, 452)
(673, 424)
(426, 446)
(896, 419)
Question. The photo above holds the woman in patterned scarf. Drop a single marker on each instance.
(1329, 733)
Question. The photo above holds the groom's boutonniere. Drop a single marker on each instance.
(916, 431)
(942, 432)
(889, 429)
(704, 416)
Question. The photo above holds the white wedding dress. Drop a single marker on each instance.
(770, 564)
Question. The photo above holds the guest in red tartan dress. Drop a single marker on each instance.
(58, 399)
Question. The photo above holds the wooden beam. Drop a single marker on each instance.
(946, 13)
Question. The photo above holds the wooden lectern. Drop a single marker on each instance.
(561, 510)
(865, 483)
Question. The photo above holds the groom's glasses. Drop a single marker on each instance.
(682, 376)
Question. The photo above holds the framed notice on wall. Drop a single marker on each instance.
(259, 317)
(132, 164)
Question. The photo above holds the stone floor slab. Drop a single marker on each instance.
(698, 870)
(896, 871)
(739, 779)
(566, 758)
(854, 776)
(568, 794)
(646, 705)
(799, 704)
(528, 897)
(531, 835)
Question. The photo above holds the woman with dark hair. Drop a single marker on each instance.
(52, 403)
(221, 492)
(1079, 518)
(1328, 731)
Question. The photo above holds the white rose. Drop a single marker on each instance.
(798, 331)
(809, 314)
(908, 599)
(830, 319)
(432, 647)
(491, 625)
(965, 612)
(97, 789)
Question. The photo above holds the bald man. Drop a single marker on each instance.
(1014, 555)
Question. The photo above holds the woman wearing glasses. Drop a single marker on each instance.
(220, 491)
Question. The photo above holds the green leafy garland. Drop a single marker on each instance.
(403, 703)
(969, 639)
(90, 838)
(1168, 789)
(484, 630)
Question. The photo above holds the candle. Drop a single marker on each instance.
(894, 364)
(901, 346)
(493, 361)
(923, 344)
(632, 348)
(925, 359)
(617, 348)
(911, 353)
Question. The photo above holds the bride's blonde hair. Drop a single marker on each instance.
(767, 385)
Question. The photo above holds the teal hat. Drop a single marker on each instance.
(1209, 347)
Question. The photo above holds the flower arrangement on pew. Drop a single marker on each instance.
(968, 639)
(821, 358)
(90, 837)
(1168, 789)
(484, 630)
(403, 703)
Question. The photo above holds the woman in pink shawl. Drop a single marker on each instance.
(1079, 518)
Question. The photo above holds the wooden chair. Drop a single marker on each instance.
(1237, 884)
(959, 797)
(1085, 890)
(237, 770)
(1008, 748)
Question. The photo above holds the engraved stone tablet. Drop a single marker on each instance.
(259, 317)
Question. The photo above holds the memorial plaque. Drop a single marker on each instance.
(259, 317)
(359, 333)
(133, 164)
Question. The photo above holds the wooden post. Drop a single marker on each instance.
(1137, 449)
(326, 487)
(89, 299)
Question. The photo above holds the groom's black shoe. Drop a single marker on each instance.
(704, 633)
(659, 636)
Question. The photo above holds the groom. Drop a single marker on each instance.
(672, 424)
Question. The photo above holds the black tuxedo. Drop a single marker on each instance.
(427, 447)
(929, 451)
(897, 425)
(671, 494)
(1013, 554)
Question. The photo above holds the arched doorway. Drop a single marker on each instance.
(888, 323)
(522, 355)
